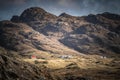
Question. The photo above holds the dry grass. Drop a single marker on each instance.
(91, 67)
(81, 62)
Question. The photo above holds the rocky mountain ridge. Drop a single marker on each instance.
(88, 34)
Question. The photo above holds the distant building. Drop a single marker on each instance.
(33, 57)
(104, 57)
(65, 56)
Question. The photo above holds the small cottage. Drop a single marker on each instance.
(33, 57)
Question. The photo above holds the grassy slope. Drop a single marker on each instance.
(91, 67)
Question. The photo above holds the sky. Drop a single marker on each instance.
(8, 8)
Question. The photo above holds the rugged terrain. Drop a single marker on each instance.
(67, 47)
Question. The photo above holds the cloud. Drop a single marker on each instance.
(6, 4)
(19, 2)
(73, 7)
(63, 2)
(67, 3)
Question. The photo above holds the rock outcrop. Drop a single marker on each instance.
(13, 68)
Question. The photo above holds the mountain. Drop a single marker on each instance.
(38, 32)
(88, 34)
